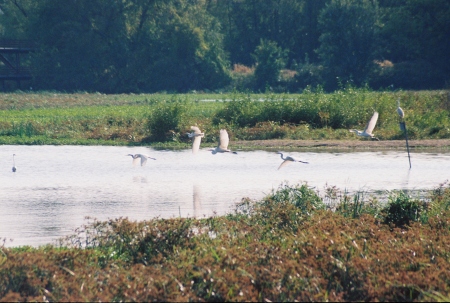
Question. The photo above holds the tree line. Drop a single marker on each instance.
(122, 46)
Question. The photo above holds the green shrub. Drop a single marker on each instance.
(402, 209)
(240, 111)
(301, 196)
(165, 121)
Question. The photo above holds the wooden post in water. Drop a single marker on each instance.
(403, 128)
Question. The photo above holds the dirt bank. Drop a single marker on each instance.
(441, 144)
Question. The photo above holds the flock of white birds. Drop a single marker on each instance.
(222, 147)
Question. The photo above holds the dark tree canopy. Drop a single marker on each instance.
(181, 45)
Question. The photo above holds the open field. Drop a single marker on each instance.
(161, 120)
(291, 245)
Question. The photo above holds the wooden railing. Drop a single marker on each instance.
(16, 44)
(10, 63)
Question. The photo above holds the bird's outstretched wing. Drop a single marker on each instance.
(284, 163)
(224, 139)
(143, 159)
(371, 124)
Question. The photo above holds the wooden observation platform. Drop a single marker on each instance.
(11, 51)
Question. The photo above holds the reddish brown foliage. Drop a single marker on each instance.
(262, 257)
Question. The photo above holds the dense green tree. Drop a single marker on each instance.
(415, 37)
(15, 17)
(186, 49)
(129, 45)
(270, 59)
(181, 45)
(292, 24)
(348, 43)
(81, 44)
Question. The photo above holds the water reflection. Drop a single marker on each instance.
(49, 196)
(139, 179)
(196, 197)
(405, 181)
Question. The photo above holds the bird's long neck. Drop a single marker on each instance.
(281, 155)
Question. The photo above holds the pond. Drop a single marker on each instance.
(56, 187)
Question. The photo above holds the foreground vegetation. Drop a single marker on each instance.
(163, 120)
(291, 245)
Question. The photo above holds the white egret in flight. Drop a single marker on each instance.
(367, 132)
(222, 146)
(14, 168)
(196, 136)
(143, 158)
(288, 159)
(400, 111)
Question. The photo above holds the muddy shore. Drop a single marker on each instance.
(345, 145)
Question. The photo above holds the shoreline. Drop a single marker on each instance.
(348, 145)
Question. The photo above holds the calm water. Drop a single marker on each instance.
(56, 187)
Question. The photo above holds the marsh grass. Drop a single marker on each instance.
(288, 246)
(55, 118)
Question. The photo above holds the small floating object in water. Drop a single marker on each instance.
(14, 168)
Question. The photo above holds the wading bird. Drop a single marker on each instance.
(367, 132)
(196, 135)
(14, 168)
(400, 111)
(401, 114)
(222, 146)
(288, 159)
(143, 158)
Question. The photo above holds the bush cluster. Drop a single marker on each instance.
(289, 246)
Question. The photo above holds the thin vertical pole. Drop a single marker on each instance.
(403, 127)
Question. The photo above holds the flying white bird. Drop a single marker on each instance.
(143, 158)
(367, 132)
(288, 159)
(196, 136)
(222, 146)
(14, 168)
(400, 111)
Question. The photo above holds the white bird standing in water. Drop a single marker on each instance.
(14, 168)
(367, 132)
(288, 159)
(222, 146)
(401, 114)
(196, 135)
(143, 158)
(400, 111)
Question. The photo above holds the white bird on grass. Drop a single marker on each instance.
(14, 168)
(367, 132)
(288, 159)
(222, 146)
(196, 135)
(143, 158)
(400, 111)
